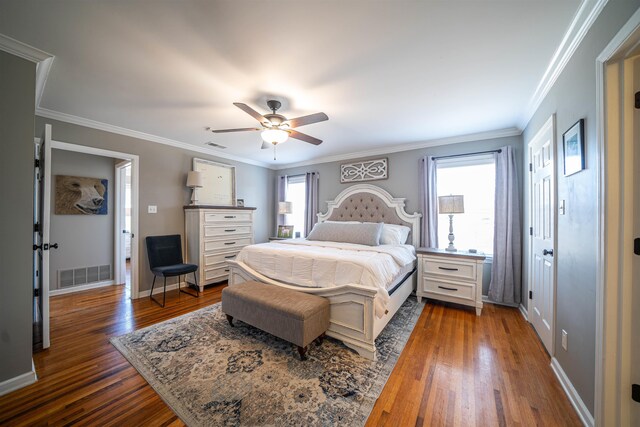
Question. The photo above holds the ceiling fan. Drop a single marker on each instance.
(276, 128)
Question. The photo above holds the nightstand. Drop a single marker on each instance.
(450, 276)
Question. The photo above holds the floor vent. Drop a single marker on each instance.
(83, 276)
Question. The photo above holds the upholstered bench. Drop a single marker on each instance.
(293, 316)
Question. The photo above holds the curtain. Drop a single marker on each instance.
(506, 276)
(311, 203)
(281, 192)
(428, 203)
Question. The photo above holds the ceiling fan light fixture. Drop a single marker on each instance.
(274, 136)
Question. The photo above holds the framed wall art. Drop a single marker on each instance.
(573, 148)
(79, 195)
(219, 183)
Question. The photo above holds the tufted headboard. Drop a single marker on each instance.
(368, 203)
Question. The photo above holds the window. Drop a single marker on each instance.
(474, 177)
(296, 194)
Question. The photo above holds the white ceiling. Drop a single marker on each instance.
(386, 72)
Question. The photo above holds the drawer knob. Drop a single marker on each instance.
(230, 256)
(448, 289)
(230, 231)
(229, 216)
(448, 269)
(230, 243)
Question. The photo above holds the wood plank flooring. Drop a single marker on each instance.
(457, 369)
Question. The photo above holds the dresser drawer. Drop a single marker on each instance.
(451, 269)
(229, 216)
(226, 230)
(458, 290)
(230, 243)
(220, 271)
(220, 257)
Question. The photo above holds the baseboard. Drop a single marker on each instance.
(70, 290)
(572, 394)
(158, 289)
(524, 312)
(15, 383)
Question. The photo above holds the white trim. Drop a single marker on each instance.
(524, 312)
(79, 288)
(582, 21)
(572, 394)
(22, 380)
(119, 245)
(42, 59)
(609, 390)
(487, 300)
(392, 202)
(135, 191)
(81, 121)
(159, 289)
(480, 136)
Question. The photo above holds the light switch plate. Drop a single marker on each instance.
(152, 209)
(564, 339)
(561, 208)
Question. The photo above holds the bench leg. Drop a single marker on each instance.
(230, 319)
(320, 339)
(302, 351)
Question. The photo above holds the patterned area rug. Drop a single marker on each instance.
(212, 374)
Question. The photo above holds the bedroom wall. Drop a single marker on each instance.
(163, 175)
(84, 240)
(574, 97)
(404, 169)
(17, 106)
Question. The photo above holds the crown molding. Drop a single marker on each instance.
(582, 21)
(501, 133)
(81, 121)
(42, 59)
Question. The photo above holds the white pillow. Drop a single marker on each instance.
(393, 234)
(358, 233)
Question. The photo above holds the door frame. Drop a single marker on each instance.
(135, 162)
(118, 238)
(614, 284)
(549, 124)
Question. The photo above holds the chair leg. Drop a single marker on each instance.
(195, 278)
(189, 293)
(164, 293)
(152, 285)
(151, 294)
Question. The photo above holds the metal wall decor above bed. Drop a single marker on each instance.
(368, 170)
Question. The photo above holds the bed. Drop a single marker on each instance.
(359, 308)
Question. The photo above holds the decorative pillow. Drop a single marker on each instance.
(393, 234)
(358, 233)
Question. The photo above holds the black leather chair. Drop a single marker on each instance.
(165, 260)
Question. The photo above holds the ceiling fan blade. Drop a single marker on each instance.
(250, 111)
(304, 137)
(233, 130)
(265, 145)
(307, 120)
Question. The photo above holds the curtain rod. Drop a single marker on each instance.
(468, 154)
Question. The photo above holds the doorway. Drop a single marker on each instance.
(122, 232)
(618, 288)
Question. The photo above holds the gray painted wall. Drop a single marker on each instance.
(574, 97)
(404, 169)
(84, 240)
(163, 175)
(17, 95)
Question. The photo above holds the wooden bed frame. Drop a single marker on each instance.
(352, 318)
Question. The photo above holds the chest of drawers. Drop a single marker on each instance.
(214, 235)
(450, 276)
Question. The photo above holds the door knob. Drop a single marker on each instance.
(547, 252)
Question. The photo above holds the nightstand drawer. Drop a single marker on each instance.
(458, 290)
(453, 269)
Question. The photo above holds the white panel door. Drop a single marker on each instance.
(635, 311)
(542, 202)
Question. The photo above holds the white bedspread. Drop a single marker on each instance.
(326, 264)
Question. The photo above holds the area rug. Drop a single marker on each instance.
(212, 374)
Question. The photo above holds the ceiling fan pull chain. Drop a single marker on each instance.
(274, 151)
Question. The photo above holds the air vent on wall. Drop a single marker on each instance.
(83, 276)
(213, 144)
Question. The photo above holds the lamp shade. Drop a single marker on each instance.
(274, 136)
(285, 208)
(195, 179)
(451, 204)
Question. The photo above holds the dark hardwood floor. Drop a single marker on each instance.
(457, 369)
